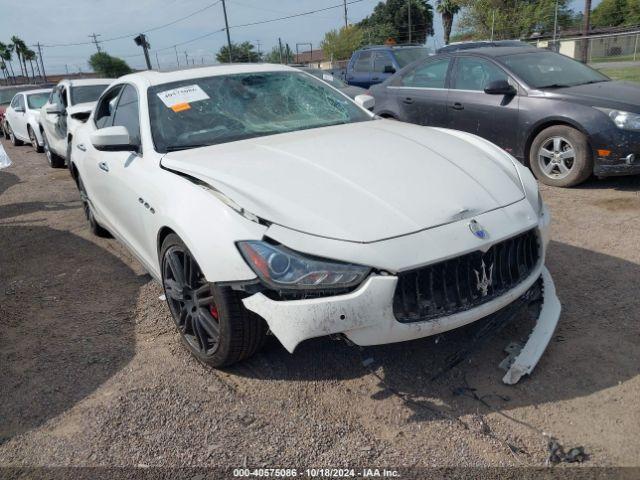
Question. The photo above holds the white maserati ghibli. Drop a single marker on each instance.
(264, 199)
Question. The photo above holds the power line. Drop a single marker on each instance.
(153, 29)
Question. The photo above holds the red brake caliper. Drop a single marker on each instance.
(214, 311)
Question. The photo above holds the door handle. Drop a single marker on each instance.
(103, 166)
(407, 100)
(457, 106)
(81, 146)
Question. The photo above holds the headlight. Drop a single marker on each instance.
(623, 120)
(282, 268)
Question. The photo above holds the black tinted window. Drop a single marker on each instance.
(363, 63)
(127, 113)
(428, 75)
(476, 74)
(106, 108)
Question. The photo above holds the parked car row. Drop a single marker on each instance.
(563, 119)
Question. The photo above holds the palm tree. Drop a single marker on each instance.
(19, 46)
(30, 55)
(447, 8)
(5, 55)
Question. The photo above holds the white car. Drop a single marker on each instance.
(263, 198)
(22, 117)
(68, 106)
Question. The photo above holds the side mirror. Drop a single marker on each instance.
(365, 101)
(54, 109)
(19, 109)
(112, 139)
(389, 69)
(500, 87)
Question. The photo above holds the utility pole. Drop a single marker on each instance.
(226, 24)
(66, 67)
(280, 46)
(258, 43)
(157, 61)
(585, 30)
(177, 59)
(44, 75)
(186, 58)
(493, 23)
(409, 19)
(95, 40)
(555, 25)
(141, 41)
(346, 22)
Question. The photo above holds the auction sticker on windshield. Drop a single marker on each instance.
(180, 98)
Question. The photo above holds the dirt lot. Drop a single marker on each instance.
(93, 373)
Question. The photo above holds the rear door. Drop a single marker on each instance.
(14, 117)
(494, 117)
(422, 92)
(359, 70)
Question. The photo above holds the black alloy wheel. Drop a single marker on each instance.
(191, 302)
(34, 141)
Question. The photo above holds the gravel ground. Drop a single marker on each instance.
(93, 373)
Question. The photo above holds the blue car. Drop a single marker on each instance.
(374, 64)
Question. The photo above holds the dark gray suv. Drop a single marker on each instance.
(560, 117)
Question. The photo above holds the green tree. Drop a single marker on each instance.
(108, 66)
(340, 44)
(390, 19)
(447, 9)
(240, 52)
(611, 13)
(29, 56)
(509, 19)
(5, 59)
(633, 12)
(19, 47)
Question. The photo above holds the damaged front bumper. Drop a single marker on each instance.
(366, 317)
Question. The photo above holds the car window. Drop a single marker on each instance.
(56, 98)
(21, 101)
(225, 108)
(363, 63)
(476, 73)
(15, 101)
(381, 61)
(405, 56)
(63, 97)
(126, 114)
(428, 75)
(86, 93)
(37, 100)
(106, 108)
(549, 69)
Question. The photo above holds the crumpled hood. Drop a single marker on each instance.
(361, 182)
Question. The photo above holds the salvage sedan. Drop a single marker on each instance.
(263, 199)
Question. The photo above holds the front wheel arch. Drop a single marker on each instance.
(543, 126)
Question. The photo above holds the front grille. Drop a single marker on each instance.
(455, 285)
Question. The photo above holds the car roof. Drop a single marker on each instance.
(152, 77)
(81, 82)
(39, 90)
(393, 47)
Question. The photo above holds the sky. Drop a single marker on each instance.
(72, 21)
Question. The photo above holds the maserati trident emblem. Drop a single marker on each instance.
(478, 230)
(484, 280)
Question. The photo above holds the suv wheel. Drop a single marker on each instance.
(560, 156)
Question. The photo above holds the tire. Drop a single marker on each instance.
(213, 323)
(54, 160)
(68, 158)
(12, 137)
(34, 140)
(94, 226)
(3, 131)
(560, 156)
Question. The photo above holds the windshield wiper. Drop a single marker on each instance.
(556, 85)
(177, 148)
